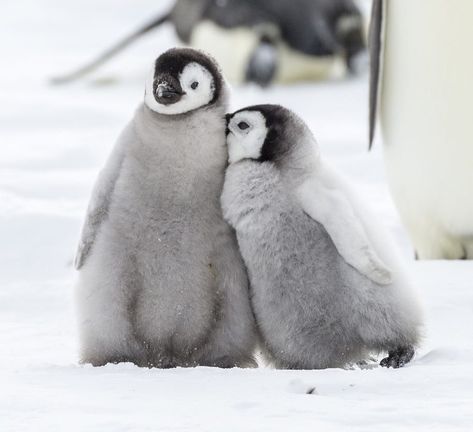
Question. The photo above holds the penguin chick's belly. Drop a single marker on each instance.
(178, 298)
(305, 296)
(171, 247)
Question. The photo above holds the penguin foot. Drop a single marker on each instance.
(398, 358)
(228, 362)
(161, 362)
(115, 359)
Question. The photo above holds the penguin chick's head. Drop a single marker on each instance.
(182, 80)
(267, 133)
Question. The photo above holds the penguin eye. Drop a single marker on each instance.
(243, 125)
(194, 85)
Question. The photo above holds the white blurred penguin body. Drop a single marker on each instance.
(421, 91)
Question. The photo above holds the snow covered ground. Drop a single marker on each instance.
(53, 142)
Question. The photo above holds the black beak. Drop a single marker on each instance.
(167, 93)
(228, 117)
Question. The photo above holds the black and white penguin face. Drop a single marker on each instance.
(182, 80)
(258, 132)
(246, 134)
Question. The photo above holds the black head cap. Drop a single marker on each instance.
(170, 65)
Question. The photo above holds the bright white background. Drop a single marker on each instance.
(53, 141)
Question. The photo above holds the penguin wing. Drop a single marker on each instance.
(330, 206)
(376, 50)
(97, 210)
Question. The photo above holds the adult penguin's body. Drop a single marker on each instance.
(263, 41)
(421, 90)
(161, 282)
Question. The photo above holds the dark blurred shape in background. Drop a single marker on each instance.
(263, 41)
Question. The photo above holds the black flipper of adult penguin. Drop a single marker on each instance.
(375, 47)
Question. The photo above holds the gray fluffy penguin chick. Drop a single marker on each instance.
(161, 281)
(326, 286)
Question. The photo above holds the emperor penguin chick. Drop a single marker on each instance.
(326, 285)
(161, 281)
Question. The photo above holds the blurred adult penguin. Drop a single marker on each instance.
(282, 40)
(421, 91)
(263, 41)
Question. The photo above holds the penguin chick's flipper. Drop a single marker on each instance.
(262, 64)
(111, 52)
(334, 211)
(100, 201)
(398, 357)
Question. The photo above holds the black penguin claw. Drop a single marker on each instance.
(398, 357)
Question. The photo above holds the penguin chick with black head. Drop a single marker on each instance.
(326, 285)
(161, 281)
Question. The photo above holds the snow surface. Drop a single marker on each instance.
(53, 142)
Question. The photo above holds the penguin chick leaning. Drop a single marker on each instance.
(161, 281)
(326, 285)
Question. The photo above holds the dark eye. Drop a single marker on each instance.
(194, 85)
(243, 125)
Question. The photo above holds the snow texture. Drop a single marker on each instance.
(53, 142)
